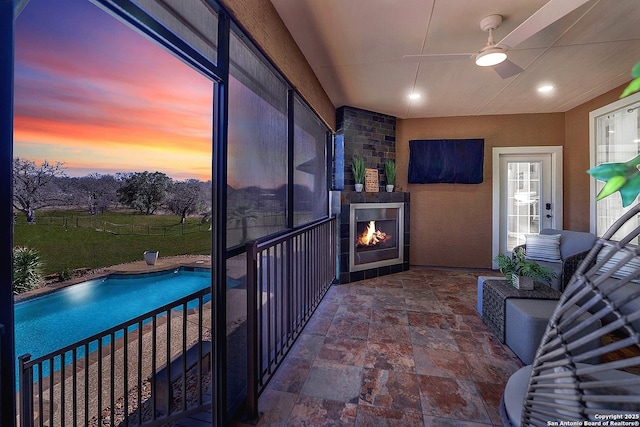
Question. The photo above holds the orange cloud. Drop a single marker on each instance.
(98, 94)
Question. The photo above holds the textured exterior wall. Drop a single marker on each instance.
(260, 19)
(576, 180)
(369, 135)
(451, 224)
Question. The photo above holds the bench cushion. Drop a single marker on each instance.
(526, 322)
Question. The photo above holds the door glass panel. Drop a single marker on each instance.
(617, 140)
(523, 201)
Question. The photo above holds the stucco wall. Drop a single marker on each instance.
(576, 161)
(260, 19)
(451, 223)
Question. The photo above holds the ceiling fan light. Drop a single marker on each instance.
(490, 56)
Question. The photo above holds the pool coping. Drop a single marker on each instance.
(137, 267)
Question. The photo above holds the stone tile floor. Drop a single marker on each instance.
(402, 350)
(407, 350)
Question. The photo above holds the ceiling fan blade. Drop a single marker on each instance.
(507, 69)
(551, 12)
(437, 56)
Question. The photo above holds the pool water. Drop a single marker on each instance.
(56, 320)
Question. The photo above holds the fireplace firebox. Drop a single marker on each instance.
(376, 235)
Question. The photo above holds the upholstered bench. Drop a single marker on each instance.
(493, 294)
(526, 321)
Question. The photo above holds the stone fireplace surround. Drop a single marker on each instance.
(385, 222)
(349, 197)
(373, 136)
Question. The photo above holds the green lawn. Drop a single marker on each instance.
(73, 247)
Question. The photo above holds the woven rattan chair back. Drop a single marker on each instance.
(565, 383)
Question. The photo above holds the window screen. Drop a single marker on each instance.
(257, 151)
(310, 196)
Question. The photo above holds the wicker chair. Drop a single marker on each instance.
(559, 385)
(574, 247)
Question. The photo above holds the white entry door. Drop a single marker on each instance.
(527, 194)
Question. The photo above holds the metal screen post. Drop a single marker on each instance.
(1, 334)
(26, 392)
(253, 415)
(7, 357)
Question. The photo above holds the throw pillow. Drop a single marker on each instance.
(543, 247)
(627, 269)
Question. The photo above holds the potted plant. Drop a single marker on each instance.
(520, 272)
(390, 173)
(358, 168)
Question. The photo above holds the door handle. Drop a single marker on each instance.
(548, 216)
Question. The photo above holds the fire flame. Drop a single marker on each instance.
(371, 236)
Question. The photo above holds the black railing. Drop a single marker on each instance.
(147, 371)
(287, 276)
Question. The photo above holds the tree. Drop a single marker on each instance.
(34, 187)
(96, 192)
(187, 197)
(144, 191)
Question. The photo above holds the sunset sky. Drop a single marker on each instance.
(99, 97)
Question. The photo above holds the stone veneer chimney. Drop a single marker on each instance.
(369, 135)
(372, 136)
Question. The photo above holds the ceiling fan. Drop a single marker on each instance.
(495, 54)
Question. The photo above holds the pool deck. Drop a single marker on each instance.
(137, 267)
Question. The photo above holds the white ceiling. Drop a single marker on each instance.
(356, 49)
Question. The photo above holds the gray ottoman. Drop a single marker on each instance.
(525, 323)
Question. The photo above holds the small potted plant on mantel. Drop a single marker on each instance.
(520, 272)
(358, 168)
(390, 173)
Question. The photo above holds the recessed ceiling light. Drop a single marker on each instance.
(545, 88)
(414, 95)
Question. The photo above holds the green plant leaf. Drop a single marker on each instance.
(613, 184)
(633, 163)
(633, 87)
(635, 71)
(606, 171)
(630, 190)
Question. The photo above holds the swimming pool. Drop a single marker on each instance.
(53, 321)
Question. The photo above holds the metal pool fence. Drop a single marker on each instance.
(95, 223)
(146, 371)
(150, 370)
